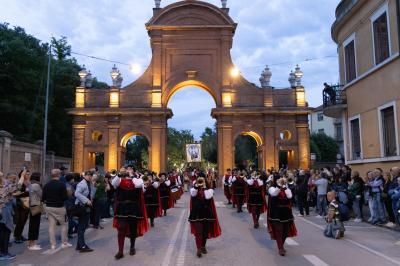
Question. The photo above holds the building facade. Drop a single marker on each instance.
(368, 99)
(320, 123)
(191, 43)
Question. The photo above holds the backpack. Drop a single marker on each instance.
(342, 197)
(344, 212)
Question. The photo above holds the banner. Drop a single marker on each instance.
(193, 153)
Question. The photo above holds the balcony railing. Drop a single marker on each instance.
(332, 95)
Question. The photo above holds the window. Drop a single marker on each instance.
(388, 133)
(350, 60)
(380, 30)
(320, 116)
(321, 131)
(355, 139)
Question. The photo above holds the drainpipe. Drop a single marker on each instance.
(398, 21)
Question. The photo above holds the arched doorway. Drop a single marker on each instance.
(248, 151)
(135, 150)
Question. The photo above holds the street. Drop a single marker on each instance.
(170, 243)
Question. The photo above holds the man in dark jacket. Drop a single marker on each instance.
(302, 191)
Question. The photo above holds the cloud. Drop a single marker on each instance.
(269, 32)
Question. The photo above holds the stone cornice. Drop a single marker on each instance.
(260, 111)
(105, 111)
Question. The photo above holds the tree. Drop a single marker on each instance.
(326, 145)
(176, 147)
(209, 145)
(245, 152)
(137, 152)
(61, 48)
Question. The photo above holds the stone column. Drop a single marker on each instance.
(303, 139)
(270, 147)
(5, 151)
(225, 148)
(78, 157)
(157, 149)
(113, 141)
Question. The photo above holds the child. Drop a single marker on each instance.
(335, 227)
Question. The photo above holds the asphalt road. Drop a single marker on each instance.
(170, 243)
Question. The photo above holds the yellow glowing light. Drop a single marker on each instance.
(156, 99)
(227, 99)
(114, 99)
(301, 97)
(80, 98)
(235, 72)
(135, 68)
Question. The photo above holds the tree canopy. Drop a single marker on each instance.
(324, 146)
(23, 75)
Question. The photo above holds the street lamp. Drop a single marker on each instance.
(82, 74)
(224, 2)
(157, 2)
(298, 74)
(235, 72)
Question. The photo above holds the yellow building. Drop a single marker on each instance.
(367, 33)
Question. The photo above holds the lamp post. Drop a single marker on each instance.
(46, 111)
(157, 3)
(224, 2)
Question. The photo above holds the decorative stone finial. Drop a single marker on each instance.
(224, 2)
(89, 80)
(116, 77)
(298, 74)
(83, 74)
(265, 77)
(157, 2)
(292, 79)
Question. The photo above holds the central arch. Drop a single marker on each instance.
(188, 83)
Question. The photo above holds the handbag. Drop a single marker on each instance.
(24, 202)
(37, 209)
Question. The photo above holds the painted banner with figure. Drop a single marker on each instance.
(193, 153)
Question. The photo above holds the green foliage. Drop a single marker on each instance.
(245, 152)
(137, 152)
(176, 147)
(315, 149)
(209, 145)
(23, 76)
(326, 145)
(60, 48)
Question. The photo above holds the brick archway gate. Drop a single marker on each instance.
(191, 43)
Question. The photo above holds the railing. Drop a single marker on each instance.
(332, 95)
(344, 7)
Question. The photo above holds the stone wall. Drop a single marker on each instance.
(14, 155)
